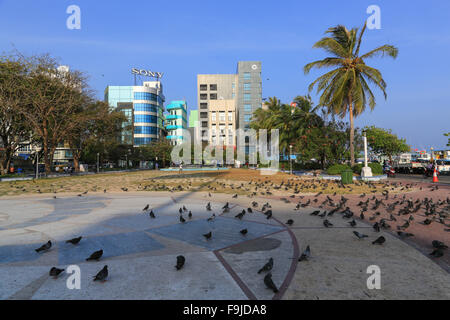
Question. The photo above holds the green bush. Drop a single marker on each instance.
(337, 169)
(376, 168)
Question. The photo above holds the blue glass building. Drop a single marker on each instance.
(143, 106)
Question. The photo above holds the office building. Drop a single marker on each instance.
(240, 94)
(143, 107)
(176, 121)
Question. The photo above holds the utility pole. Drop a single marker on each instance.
(37, 164)
(290, 157)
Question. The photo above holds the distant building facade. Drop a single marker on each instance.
(144, 108)
(240, 94)
(176, 121)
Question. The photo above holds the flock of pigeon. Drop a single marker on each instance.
(55, 272)
(435, 211)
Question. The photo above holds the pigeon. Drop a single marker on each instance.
(208, 206)
(353, 223)
(152, 215)
(182, 220)
(235, 196)
(244, 231)
(226, 206)
(306, 254)
(95, 256)
(438, 244)
(44, 247)
(74, 240)
(327, 223)
(180, 211)
(190, 215)
(102, 274)
(269, 214)
(376, 227)
(380, 240)
(208, 235)
(267, 267)
(315, 213)
(240, 215)
(180, 262)
(184, 209)
(437, 253)
(360, 235)
(249, 210)
(55, 272)
(212, 217)
(269, 282)
(146, 207)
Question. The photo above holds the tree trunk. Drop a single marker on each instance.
(352, 133)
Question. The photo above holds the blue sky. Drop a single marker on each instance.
(185, 38)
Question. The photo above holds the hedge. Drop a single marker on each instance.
(376, 168)
(337, 169)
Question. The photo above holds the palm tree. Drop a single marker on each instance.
(346, 88)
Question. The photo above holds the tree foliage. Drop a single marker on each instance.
(384, 142)
(345, 89)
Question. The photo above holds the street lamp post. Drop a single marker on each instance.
(366, 171)
(37, 165)
(290, 158)
(98, 162)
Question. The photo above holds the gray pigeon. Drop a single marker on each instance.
(95, 256)
(74, 240)
(180, 262)
(306, 254)
(379, 241)
(360, 235)
(55, 272)
(102, 274)
(267, 267)
(269, 282)
(44, 247)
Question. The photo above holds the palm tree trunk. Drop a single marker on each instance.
(352, 133)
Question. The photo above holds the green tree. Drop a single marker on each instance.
(14, 130)
(99, 125)
(384, 142)
(54, 101)
(448, 135)
(346, 89)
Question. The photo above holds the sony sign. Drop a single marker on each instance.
(147, 73)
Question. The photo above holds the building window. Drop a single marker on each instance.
(213, 87)
(204, 124)
(144, 107)
(247, 76)
(247, 107)
(145, 96)
(233, 95)
(203, 87)
(143, 118)
(203, 96)
(247, 86)
(247, 117)
(247, 97)
(145, 130)
(203, 114)
(213, 96)
(233, 85)
(203, 106)
(230, 116)
(222, 116)
(213, 117)
(213, 131)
